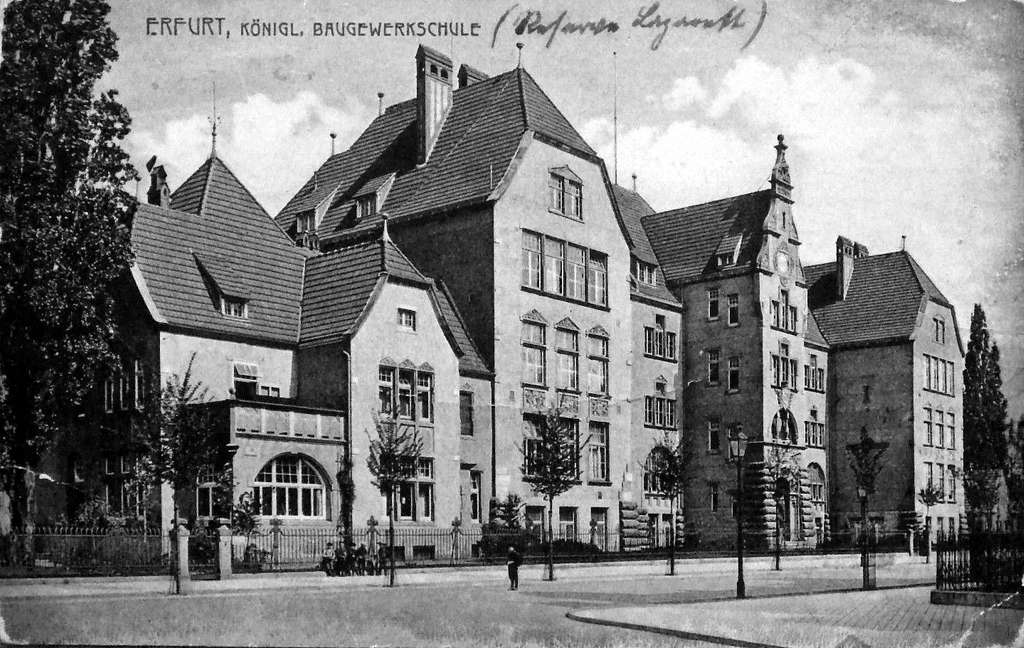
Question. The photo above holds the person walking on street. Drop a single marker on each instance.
(513, 562)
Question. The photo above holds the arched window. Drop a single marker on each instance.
(290, 486)
(816, 477)
(784, 427)
(655, 466)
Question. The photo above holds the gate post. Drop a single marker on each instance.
(184, 578)
(223, 548)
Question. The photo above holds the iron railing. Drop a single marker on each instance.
(981, 561)
(74, 551)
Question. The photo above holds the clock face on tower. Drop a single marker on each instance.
(782, 262)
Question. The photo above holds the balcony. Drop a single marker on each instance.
(282, 418)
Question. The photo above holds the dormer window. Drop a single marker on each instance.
(305, 222)
(644, 272)
(725, 259)
(234, 307)
(366, 206)
(566, 193)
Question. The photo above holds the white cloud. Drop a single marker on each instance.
(684, 93)
(273, 147)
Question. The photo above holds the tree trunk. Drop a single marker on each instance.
(672, 538)
(550, 549)
(927, 535)
(174, 545)
(778, 536)
(391, 538)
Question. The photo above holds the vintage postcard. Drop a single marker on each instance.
(512, 323)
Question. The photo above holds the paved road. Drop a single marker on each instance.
(479, 612)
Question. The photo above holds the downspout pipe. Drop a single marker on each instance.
(346, 510)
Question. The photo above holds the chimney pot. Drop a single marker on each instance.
(433, 97)
(159, 193)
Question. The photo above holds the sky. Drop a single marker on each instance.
(902, 118)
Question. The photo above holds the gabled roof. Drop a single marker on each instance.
(814, 334)
(632, 209)
(341, 285)
(477, 142)
(685, 240)
(216, 238)
(885, 296)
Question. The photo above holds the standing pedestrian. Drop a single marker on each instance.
(513, 562)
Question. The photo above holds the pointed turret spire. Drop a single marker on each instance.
(214, 120)
(782, 187)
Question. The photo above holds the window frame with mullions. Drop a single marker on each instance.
(319, 507)
(582, 272)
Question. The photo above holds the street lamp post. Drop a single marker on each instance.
(738, 447)
(862, 493)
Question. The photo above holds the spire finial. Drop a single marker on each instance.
(634, 183)
(520, 45)
(334, 136)
(385, 237)
(380, 104)
(615, 117)
(781, 184)
(214, 120)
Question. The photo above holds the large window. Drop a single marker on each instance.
(951, 429)
(734, 309)
(598, 452)
(567, 349)
(929, 432)
(784, 314)
(658, 341)
(566, 196)
(654, 467)
(814, 430)
(475, 481)
(411, 398)
(814, 376)
(714, 435)
(816, 476)
(290, 486)
(784, 368)
(784, 427)
(598, 364)
(734, 373)
(122, 493)
(645, 272)
(534, 353)
(951, 483)
(659, 409)
(713, 304)
(532, 260)
(416, 496)
(939, 375)
(939, 326)
(563, 269)
(530, 446)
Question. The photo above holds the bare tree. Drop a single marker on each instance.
(669, 467)
(781, 465)
(394, 454)
(930, 495)
(551, 464)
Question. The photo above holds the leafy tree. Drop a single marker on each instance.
(930, 495)
(551, 465)
(985, 421)
(392, 460)
(64, 222)
(781, 465)
(182, 439)
(669, 467)
(508, 511)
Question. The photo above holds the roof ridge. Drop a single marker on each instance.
(437, 164)
(709, 202)
(441, 286)
(206, 184)
(557, 110)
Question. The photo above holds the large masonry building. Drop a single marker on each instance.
(468, 264)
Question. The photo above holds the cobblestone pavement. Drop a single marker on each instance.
(895, 618)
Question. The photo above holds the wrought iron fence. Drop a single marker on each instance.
(987, 562)
(77, 551)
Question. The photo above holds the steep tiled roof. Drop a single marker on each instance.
(632, 208)
(884, 298)
(340, 285)
(218, 238)
(814, 334)
(685, 240)
(475, 146)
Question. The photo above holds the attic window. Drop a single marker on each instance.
(644, 272)
(725, 259)
(433, 69)
(566, 195)
(444, 74)
(305, 223)
(366, 206)
(234, 307)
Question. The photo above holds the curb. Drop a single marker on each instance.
(725, 641)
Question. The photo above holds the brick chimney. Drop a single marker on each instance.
(433, 98)
(159, 193)
(847, 252)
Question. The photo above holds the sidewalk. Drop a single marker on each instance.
(900, 564)
(898, 618)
